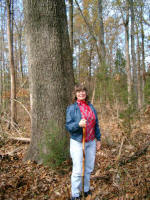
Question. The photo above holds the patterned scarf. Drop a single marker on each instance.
(88, 114)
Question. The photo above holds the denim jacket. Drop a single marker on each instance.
(73, 117)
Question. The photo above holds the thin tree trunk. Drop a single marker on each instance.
(79, 63)
(133, 49)
(139, 74)
(11, 61)
(20, 56)
(20, 49)
(125, 18)
(101, 31)
(90, 68)
(128, 69)
(2, 60)
(143, 56)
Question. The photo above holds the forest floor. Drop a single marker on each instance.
(122, 169)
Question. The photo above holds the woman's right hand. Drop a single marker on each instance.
(82, 123)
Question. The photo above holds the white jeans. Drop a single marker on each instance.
(76, 153)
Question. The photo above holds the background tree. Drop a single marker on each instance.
(9, 6)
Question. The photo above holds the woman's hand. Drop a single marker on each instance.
(82, 123)
(98, 145)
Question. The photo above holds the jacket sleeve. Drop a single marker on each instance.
(97, 128)
(71, 125)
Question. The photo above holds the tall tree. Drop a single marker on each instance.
(101, 30)
(50, 68)
(133, 47)
(143, 50)
(128, 67)
(124, 9)
(9, 6)
(139, 88)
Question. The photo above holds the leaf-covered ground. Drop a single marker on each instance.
(122, 169)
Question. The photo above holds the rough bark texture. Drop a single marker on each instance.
(51, 72)
(71, 23)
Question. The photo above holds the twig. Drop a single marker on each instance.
(23, 107)
(8, 121)
(119, 154)
(136, 155)
(89, 29)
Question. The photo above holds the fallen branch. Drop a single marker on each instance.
(136, 155)
(26, 140)
(106, 178)
(11, 153)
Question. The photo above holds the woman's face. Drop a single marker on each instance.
(81, 95)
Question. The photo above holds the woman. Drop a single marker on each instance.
(79, 115)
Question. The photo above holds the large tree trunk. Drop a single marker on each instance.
(11, 61)
(50, 68)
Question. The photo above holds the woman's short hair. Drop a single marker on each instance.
(78, 88)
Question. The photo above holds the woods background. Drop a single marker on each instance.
(103, 44)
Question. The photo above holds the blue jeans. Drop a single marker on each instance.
(76, 153)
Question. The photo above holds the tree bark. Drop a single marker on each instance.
(11, 61)
(128, 68)
(50, 68)
(71, 23)
(139, 73)
(143, 55)
(133, 49)
(101, 31)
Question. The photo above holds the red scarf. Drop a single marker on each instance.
(88, 114)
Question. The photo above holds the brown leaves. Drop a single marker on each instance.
(25, 181)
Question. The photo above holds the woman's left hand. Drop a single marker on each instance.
(98, 145)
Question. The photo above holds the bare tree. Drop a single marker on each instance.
(124, 9)
(101, 30)
(139, 89)
(133, 48)
(11, 59)
(143, 51)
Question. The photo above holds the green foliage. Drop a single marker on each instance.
(54, 147)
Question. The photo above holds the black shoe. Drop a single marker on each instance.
(75, 198)
(87, 193)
